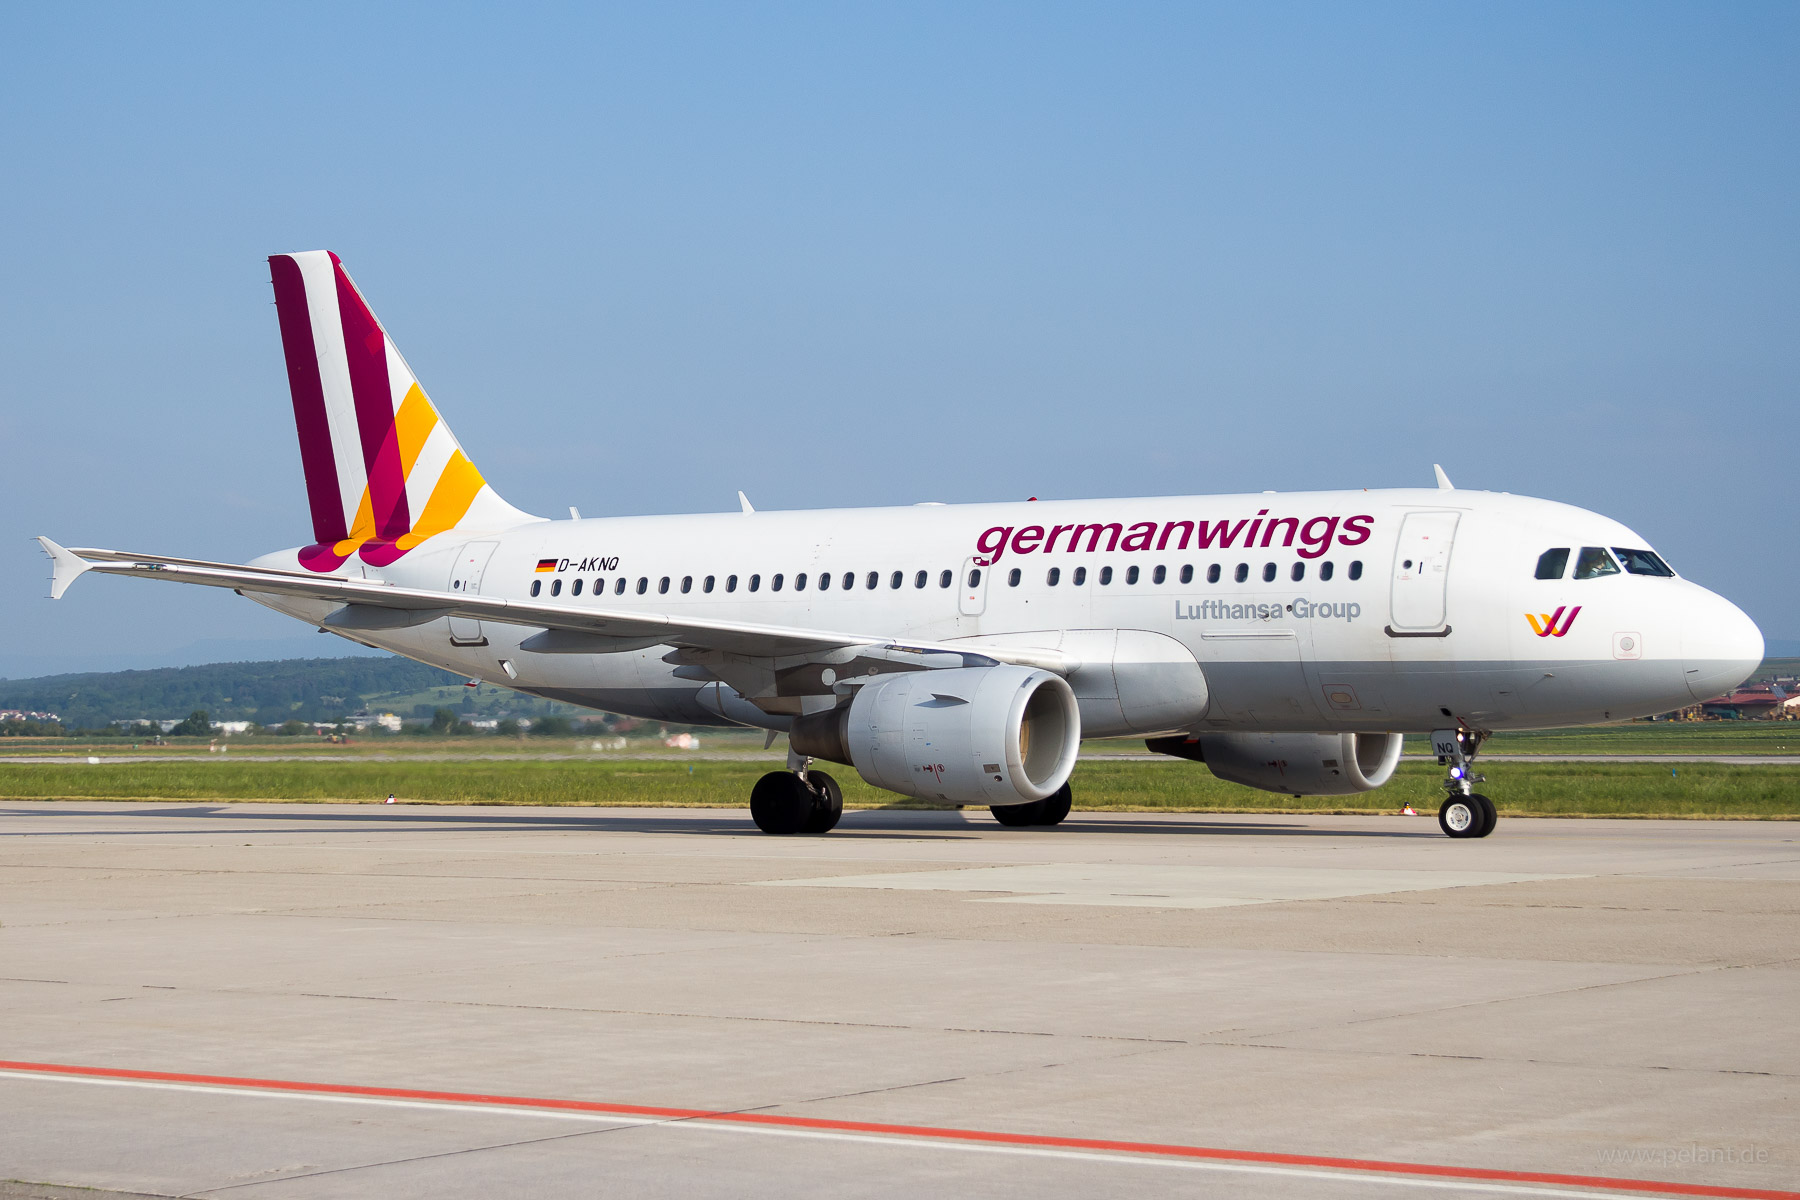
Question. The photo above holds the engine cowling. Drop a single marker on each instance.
(968, 735)
(1299, 764)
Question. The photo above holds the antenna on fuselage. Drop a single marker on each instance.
(1444, 484)
(745, 501)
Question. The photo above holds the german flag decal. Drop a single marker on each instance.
(546, 564)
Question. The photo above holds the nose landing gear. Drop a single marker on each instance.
(1466, 813)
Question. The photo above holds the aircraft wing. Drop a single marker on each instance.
(369, 604)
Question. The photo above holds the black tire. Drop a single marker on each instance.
(1461, 817)
(1489, 816)
(1017, 815)
(828, 803)
(780, 803)
(1056, 806)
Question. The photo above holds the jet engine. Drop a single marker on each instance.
(968, 735)
(1299, 764)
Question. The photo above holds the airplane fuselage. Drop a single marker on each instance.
(1393, 610)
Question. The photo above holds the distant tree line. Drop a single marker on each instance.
(269, 693)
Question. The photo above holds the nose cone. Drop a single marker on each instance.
(1721, 647)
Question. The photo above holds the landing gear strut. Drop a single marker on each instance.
(1466, 813)
(1048, 811)
(797, 800)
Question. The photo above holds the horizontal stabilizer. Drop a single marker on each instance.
(65, 567)
(371, 604)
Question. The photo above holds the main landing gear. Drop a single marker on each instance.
(1466, 813)
(1048, 811)
(797, 800)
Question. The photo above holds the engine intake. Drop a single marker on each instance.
(1299, 764)
(967, 735)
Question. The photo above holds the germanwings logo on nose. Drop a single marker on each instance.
(1545, 624)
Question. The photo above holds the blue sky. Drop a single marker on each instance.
(836, 255)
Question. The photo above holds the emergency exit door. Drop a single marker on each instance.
(1422, 573)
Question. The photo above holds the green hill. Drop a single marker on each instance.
(310, 689)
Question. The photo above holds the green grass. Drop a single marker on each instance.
(1542, 789)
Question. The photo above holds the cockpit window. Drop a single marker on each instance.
(1642, 562)
(1552, 563)
(1593, 562)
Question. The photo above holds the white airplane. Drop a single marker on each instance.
(959, 653)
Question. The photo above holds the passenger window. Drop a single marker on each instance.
(1105, 576)
(1080, 576)
(896, 579)
(556, 587)
(599, 587)
(1212, 573)
(1131, 574)
(619, 586)
(1591, 563)
(874, 580)
(643, 584)
(1356, 568)
(687, 584)
(537, 585)
(1187, 573)
(1299, 572)
(1012, 578)
(707, 586)
(974, 578)
(1268, 572)
(824, 581)
(575, 588)
(849, 580)
(800, 582)
(1551, 563)
(662, 588)
(774, 584)
(1158, 575)
(920, 578)
(731, 583)
(1053, 576)
(1325, 570)
(755, 582)
(944, 578)
(1242, 573)
(1643, 562)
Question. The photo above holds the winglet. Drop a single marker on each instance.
(745, 501)
(1444, 484)
(65, 567)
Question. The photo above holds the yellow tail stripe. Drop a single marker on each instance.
(450, 499)
(412, 425)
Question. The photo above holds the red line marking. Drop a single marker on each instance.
(990, 1137)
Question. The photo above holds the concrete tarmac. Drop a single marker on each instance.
(563, 1001)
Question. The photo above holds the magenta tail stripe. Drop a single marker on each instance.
(365, 347)
(316, 459)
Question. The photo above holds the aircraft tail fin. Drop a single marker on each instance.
(383, 471)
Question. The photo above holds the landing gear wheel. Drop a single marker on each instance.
(1018, 815)
(1489, 817)
(1462, 817)
(780, 803)
(828, 803)
(1056, 806)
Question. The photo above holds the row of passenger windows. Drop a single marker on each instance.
(897, 579)
(1593, 562)
(1160, 574)
(754, 584)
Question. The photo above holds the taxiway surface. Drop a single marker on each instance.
(333, 1000)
